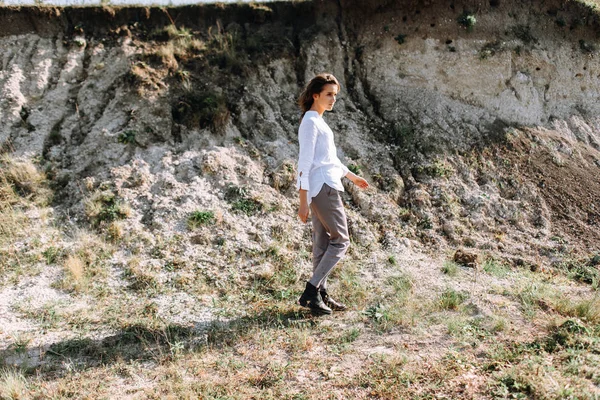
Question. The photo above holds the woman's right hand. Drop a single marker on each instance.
(303, 210)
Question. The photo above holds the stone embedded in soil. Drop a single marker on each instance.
(466, 259)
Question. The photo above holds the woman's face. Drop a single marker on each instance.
(326, 99)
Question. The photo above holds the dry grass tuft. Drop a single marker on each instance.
(181, 45)
(588, 310)
(115, 231)
(13, 385)
(103, 207)
(22, 186)
(23, 175)
(75, 269)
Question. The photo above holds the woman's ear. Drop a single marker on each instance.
(315, 96)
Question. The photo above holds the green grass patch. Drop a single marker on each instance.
(200, 218)
(248, 206)
(401, 284)
(450, 268)
(352, 290)
(127, 137)
(451, 299)
(354, 168)
(495, 267)
(104, 207)
(241, 201)
(587, 310)
(582, 270)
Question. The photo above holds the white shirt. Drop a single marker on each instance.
(318, 162)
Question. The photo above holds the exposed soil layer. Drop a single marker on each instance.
(569, 185)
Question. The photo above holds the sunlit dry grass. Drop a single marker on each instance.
(13, 385)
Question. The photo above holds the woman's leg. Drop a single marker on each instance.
(328, 208)
(320, 241)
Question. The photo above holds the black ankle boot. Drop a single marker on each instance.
(312, 299)
(330, 302)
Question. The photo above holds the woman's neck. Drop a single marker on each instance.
(317, 110)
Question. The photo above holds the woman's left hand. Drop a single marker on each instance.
(357, 180)
(360, 182)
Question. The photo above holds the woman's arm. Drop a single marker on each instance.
(307, 138)
(303, 210)
(357, 180)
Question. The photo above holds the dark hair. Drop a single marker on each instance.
(315, 86)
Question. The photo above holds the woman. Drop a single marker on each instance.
(319, 184)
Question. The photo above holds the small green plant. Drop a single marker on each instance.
(467, 20)
(582, 271)
(127, 137)
(450, 299)
(378, 313)
(392, 259)
(241, 201)
(198, 218)
(450, 268)
(513, 386)
(171, 32)
(425, 223)
(247, 206)
(52, 254)
(111, 211)
(495, 267)
(354, 168)
(400, 38)
(104, 208)
(20, 344)
(350, 335)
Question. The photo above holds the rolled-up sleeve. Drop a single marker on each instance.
(344, 168)
(307, 138)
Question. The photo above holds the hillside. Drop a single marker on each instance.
(149, 244)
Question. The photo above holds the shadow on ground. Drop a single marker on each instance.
(141, 343)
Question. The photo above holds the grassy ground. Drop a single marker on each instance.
(419, 325)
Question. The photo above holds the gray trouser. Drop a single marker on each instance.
(330, 234)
